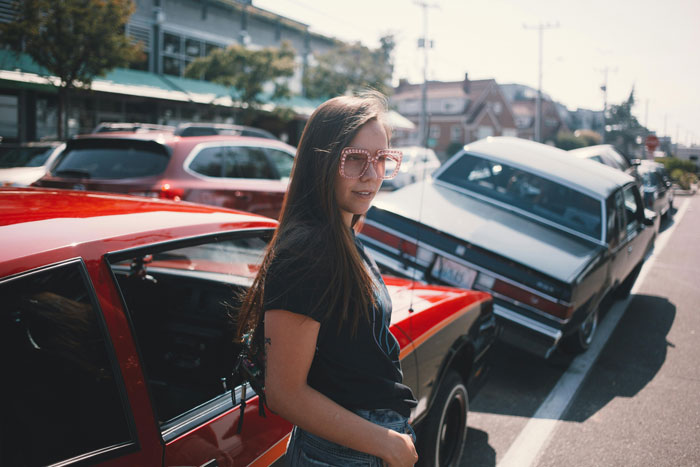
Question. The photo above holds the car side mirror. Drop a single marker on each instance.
(635, 162)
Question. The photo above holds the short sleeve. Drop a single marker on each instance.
(296, 285)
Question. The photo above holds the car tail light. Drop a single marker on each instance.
(525, 296)
(169, 192)
(404, 246)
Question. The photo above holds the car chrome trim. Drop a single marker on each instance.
(529, 323)
(206, 411)
(194, 152)
(120, 255)
(110, 452)
(522, 212)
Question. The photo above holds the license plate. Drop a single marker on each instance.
(453, 273)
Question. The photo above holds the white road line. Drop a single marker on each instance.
(536, 433)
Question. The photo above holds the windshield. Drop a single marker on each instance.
(526, 191)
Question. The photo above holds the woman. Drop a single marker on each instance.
(332, 365)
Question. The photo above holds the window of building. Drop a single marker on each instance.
(8, 117)
(178, 52)
(497, 108)
(435, 131)
(484, 131)
(455, 133)
(57, 371)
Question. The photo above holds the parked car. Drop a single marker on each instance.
(547, 234)
(608, 155)
(417, 164)
(238, 172)
(117, 336)
(23, 164)
(657, 188)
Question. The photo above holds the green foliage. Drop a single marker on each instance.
(673, 163)
(623, 128)
(684, 179)
(567, 140)
(247, 71)
(347, 68)
(589, 137)
(75, 40)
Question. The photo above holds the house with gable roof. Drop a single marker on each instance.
(459, 112)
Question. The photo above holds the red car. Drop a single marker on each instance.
(116, 336)
(237, 172)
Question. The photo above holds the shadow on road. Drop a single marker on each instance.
(519, 382)
(634, 354)
(477, 450)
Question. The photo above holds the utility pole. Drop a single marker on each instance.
(538, 107)
(425, 44)
(604, 88)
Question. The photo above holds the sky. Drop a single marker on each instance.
(650, 45)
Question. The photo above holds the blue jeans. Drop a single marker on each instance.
(305, 449)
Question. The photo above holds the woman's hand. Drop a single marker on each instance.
(401, 451)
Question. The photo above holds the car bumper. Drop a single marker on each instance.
(526, 333)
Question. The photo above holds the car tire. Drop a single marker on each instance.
(444, 433)
(580, 340)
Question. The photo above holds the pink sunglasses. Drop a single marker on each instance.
(354, 162)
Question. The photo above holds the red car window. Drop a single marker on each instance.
(59, 380)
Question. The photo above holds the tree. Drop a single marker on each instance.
(351, 67)
(247, 71)
(622, 128)
(74, 40)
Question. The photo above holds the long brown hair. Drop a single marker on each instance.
(311, 227)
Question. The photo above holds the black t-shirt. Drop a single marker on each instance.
(360, 371)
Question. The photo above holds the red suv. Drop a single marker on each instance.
(237, 172)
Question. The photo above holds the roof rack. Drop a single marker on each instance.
(106, 127)
(207, 129)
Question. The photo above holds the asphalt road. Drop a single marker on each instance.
(633, 400)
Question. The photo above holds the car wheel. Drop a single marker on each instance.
(579, 341)
(442, 439)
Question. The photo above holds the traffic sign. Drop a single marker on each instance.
(652, 142)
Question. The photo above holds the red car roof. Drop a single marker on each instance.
(40, 221)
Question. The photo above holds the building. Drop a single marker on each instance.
(689, 153)
(173, 33)
(523, 101)
(458, 112)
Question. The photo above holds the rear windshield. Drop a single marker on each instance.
(526, 191)
(111, 159)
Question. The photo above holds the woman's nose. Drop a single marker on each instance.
(371, 172)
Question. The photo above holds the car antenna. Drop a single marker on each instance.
(420, 215)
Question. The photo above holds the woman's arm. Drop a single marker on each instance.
(290, 341)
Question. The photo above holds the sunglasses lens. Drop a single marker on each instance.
(354, 164)
(386, 166)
